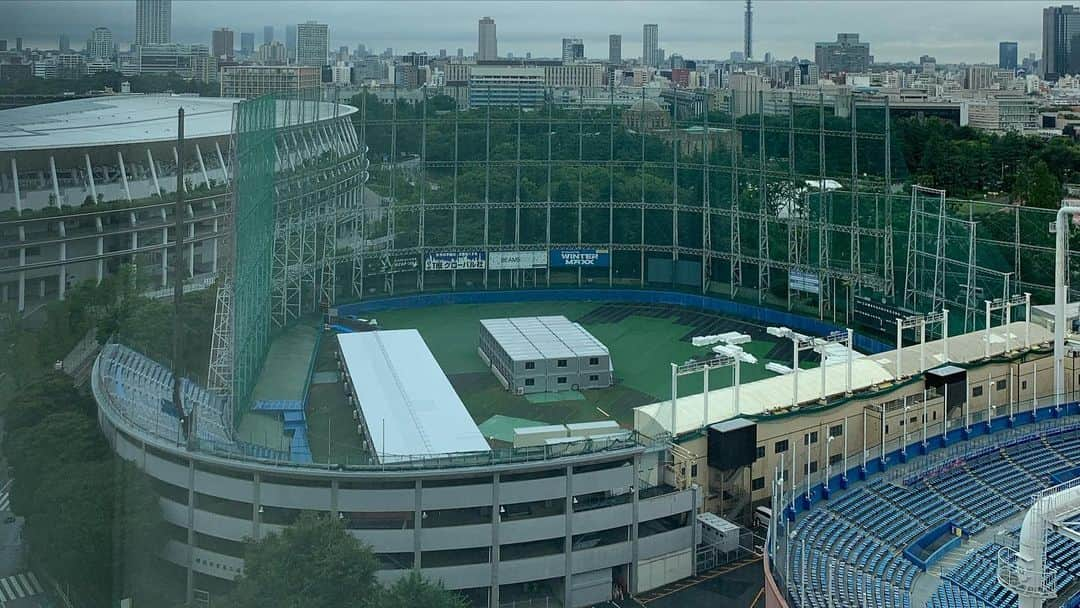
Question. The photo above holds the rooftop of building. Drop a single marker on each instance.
(409, 407)
(775, 394)
(121, 119)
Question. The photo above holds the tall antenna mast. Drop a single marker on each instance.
(748, 35)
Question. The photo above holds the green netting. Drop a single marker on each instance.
(255, 127)
(756, 186)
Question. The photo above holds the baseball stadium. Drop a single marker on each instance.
(577, 346)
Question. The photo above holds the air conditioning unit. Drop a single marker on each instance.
(520, 390)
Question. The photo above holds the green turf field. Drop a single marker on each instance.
(643, 340)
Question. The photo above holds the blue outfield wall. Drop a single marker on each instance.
(760, 314)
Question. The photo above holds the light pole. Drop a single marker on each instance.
(904, 425)
(843, 476)
(989, 400)
(925, 423)
(828, 467)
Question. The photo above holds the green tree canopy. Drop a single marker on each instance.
(414, 591)
(317, 562)
(314, 562)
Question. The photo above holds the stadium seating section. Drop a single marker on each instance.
(853, 545)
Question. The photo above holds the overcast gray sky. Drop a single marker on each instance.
(953, 31)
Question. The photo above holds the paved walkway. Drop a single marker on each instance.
(738, 585)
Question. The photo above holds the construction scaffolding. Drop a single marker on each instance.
(296, 192)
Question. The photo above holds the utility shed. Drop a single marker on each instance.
(404, 402)
(544, 354)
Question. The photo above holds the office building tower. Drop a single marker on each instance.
(268, 34)
(442, 53)
(221, 43)
(1061, 41)
(18, 44)
(487, 43)
(3, 45)
(846, 55)
(100, 44)
(460, 53)
(573, 49)
(650, 41)
(247, 43)
(1007, 55)
(153, 22)
(65, 43)
(311, 43)
(614, 48)
(748, 32)
(290, 42)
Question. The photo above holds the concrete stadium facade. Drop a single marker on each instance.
(88, 184)
(575, 524)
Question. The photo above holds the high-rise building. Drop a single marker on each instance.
(153, 21)
(65, 43)
(748, 31)
(846, 55)
(487, 43)
(650, 41)
(1007, 55)
(573, 49)
(460, 53)
(272, 53)
(100, 43)
(1061, 41)
(18, 44)
(247, 43)
(290, 42)
(614, 48)
(311, 43)
(221, 43)
(268, 34)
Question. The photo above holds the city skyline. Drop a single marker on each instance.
(965, 32)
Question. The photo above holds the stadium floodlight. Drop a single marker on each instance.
(726, 355)
(800, 342)
(920, 322)
(1006, 305)
(844, 337)
(1060, 296)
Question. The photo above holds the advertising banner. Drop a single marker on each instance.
(391, 263)
(455, 260)
(564, 258)
(804, 281)
(516, 260)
